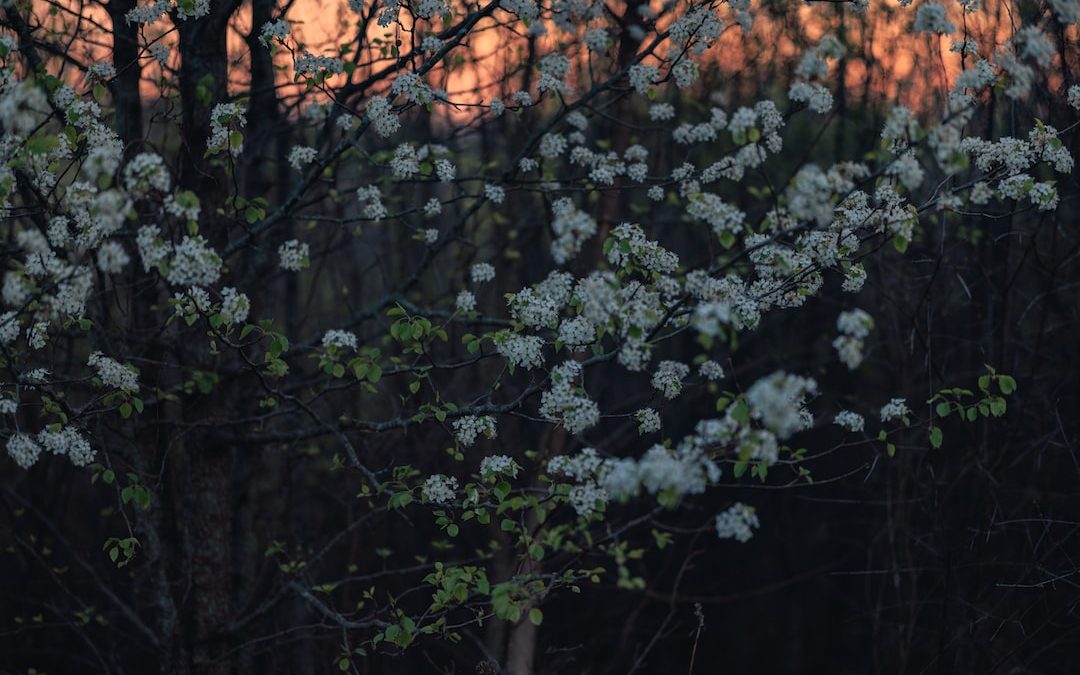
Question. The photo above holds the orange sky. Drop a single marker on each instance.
(907, 67)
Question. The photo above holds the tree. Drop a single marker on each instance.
(375, 348)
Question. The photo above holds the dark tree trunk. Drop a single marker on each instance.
(125, 87)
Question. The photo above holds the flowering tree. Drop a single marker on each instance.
(384, 327)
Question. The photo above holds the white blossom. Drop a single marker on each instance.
(738, 522)
(439, 489)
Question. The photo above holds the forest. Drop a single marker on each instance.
(539, 337)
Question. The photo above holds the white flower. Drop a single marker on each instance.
(147, 14)
(300, 156)
(339, 339)
(894, 409)
(580, 467)
(144, 172)
(194, 263)
(778, 400)
(445, 170)
(711, 370)
(439, 489)
(224, 118)
(413, 87)
(102, 70)
(465, 301)
(738, 522)
(9, 327)
(113, 374)
(679, 471)
(112, 258)
(817, 98)
(482, 273)
(194, 9)
(494, 193)
(37, 335)
(641, 76)
(1074, 96)
(659, 112)
(191, 303)
(23, 449)
(850, 350)
(311, 64)
(648, 420)
(275, 30)
(585, 497)
(571, 227)
(553, 71)
(596, 39)
(234, 306)
(932, 17)
(567, 404)
(184, 205)
(854, 278)
(68, 441)
(294, 255)
(382, 116)
(521, 350)
(467, 428)
(372, 198)
(498, 465)
(851, 421)
(577, 332)
(668, 377)
(159, 51)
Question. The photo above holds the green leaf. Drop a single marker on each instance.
(1007, 384)
(740, 468)
(536, 617)
(943, 409)
(507, 525)
(935, 437)
(997, 407)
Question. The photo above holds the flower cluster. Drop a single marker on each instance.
(469, 427)
(778, 401)
(439, 489)
(294, 255)
(854, 326)
(566, 403)
(113, 374)
(738, 522)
